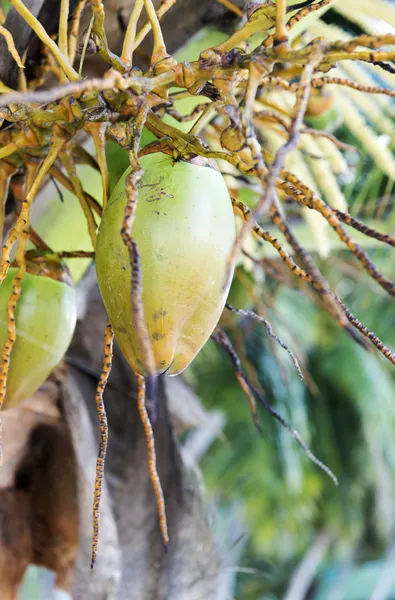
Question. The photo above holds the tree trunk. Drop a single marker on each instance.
(190, 568)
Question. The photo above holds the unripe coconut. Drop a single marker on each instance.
(184, 228)
(45, 320)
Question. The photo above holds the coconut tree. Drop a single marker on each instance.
(273, 100)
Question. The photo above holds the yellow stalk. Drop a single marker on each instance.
(130, 36)
(62, 35)
(146, 28)
(22, 218)
(319, 227)
(159, 47)
(11, 46)
(44, 37)
(354, 71)
(74, 30)
(4, 89)
(8, 149)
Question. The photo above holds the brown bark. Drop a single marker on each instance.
(38, 485)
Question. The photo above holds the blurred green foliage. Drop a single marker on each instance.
(349, 422)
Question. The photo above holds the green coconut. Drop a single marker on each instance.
(185, 229)
(45, 320)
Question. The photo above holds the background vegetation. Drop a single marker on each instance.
(290, 512)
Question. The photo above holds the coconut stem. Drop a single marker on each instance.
(32, 171)
(101, 413)
(153, 473)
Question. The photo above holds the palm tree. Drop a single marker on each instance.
(292, 512)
